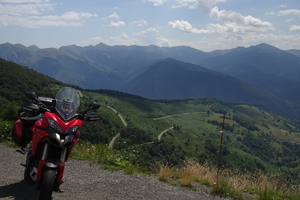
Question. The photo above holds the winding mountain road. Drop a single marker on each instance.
(159, 136)
(111, 143)
(158, 118)
(121, 117)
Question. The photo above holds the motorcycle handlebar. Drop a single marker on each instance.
(82, 115)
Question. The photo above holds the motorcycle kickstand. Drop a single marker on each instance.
(21, 151)
(56, 187)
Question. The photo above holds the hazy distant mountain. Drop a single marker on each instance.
(60, 65)
(76, 72)
(264, 66)
(109, 55)
(16, 53)
(34, 47)
(296, 52)
(172, 79)
(93, 67)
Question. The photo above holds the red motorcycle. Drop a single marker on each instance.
(55, 132)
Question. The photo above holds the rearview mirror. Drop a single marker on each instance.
(94, 105)
(31, 95)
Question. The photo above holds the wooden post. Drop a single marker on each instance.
(220, 152)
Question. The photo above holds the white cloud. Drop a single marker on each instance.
(245, 22)
(295, 28)
(141, 23)
(282, 6)
(186, 27)
(145, 32)
(235, 25)
(232, 29)
(182, 3)
(122, 40)
(67, 19)
(206, 5)
(270, 13)
(115, 23)
(91, 41)
(24, 9)
(68, 16)
(113, 16)
(157, 2)
(140, 38)
(23, 1)
(162, 41)
(289, 12)
(29, 13)
(124, 36)
(34, 21)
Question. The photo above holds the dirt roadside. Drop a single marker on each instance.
(83, 180)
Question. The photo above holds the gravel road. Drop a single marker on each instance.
(83, 180)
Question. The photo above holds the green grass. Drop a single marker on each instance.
(231, 183)
(110, 159)
(202, 181)
(224, 189)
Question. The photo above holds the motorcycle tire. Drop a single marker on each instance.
(47, 185)
(29, 167)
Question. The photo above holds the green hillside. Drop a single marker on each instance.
(15, 80)
(253, 139)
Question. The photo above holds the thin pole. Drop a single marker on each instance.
(220, 152)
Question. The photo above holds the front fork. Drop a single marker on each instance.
(52, 163)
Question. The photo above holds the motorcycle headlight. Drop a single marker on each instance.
(72, 129)
(53, 124)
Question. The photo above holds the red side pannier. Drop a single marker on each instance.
(22, 133)
(17, 133)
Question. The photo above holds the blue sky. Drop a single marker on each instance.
(203, 24)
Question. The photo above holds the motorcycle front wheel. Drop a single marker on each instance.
(47, 185)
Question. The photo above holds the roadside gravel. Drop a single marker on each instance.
(83, 180)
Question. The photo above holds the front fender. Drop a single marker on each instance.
(52, 163)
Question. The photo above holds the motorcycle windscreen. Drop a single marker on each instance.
(67, 102)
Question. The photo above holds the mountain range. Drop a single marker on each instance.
(262, 75)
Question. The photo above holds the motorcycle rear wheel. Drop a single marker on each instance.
(47, 185)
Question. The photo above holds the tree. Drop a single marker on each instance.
(9, 111)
